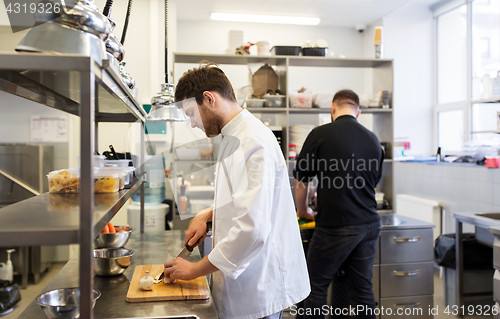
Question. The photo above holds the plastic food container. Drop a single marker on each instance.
(315, 51)
(106, 182)
(322, 100)
(285, 50)
(188, 154)
(255, 102)
(300, 100)
(64, 181)
(122, 172)
(119, 163)
(275, 100)
(98, 160)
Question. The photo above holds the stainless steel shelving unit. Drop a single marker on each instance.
(92, 90)
(383, 75)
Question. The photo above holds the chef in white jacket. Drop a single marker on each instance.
(257, 262)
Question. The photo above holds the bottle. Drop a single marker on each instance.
(495, 86)
(486, 85)
(476, 87)
(183, 199)
(292, 153)
(6, 269)
(154, 187)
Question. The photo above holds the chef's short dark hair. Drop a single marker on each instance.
(207, 77)
(346, 97)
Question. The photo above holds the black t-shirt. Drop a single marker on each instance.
(347, 160)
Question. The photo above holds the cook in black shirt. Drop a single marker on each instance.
(346, 159)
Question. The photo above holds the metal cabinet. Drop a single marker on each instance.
(406, 272)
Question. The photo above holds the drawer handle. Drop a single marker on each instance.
(408, 306)
(407, 273)
(407, 240)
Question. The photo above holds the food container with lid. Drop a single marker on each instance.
(98, 160)
(64, 181)
(313, 51)
(106, 181)
(285, 50)
(118, 163)
(121, 172)
(255, 102)
(300, 100)
(275, 100)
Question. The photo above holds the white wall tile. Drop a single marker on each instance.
(486, 193)
(496, 194)
(472, 191)
(486, 208)
(472, 173)
(485, 175)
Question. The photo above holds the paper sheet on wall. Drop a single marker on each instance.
(49, 129)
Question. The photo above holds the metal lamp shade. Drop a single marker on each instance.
(164, 108)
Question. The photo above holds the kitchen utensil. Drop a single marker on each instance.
(113, 240)
(62, 303)
(184, 254)
(180, 290)
(111, 261)
(115, 156)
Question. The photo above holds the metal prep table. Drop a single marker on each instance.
(149, 248)
(482, 225)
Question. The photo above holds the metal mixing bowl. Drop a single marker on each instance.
(111, 261)
(62, 303)
(113, 240)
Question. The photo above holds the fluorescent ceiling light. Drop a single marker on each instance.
(263, 18)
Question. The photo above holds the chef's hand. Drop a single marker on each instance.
(308, 214)
(197, 231)
(180, 268)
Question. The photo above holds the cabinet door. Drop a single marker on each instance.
(407, 307)
(403, 246)
(406, 279)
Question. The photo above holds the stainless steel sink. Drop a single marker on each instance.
(490, 215)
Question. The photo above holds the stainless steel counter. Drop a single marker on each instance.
(395, 221)
(150, 248)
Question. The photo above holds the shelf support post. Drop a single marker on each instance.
(143, 160)
(88, 90)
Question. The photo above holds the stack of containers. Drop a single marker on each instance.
(106, 179)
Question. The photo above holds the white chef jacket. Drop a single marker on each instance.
(256, 239)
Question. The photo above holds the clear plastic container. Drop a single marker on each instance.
(98, 160)
(255, 102)
(300, 100)
(64, 181)
(154, 187)
(119, 163)
(275, 100)
(106, 182)
(121, 172)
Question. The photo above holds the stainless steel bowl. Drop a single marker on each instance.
(111, 261)
(113, 240)
(62, 303)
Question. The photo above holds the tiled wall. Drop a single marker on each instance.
(458, 187)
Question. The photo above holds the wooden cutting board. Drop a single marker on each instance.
(180, 290)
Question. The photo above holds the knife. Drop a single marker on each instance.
(184, 253)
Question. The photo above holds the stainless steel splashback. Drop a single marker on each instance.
(29, 164)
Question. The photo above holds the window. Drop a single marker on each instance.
(452, 55)
(451, 130)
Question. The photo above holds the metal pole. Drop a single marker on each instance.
(143, 170)
(459, 265)
(88, 90)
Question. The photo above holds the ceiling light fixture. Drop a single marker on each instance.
(238, 17)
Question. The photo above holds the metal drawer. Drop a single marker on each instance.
(376, 283)
(496, 285)
(496, 252)
(403, 246)
(408, 307)
(376, 260)
(406, 279)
